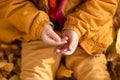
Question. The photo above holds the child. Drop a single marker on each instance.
(85, 35)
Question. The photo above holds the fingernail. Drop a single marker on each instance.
(65, 50)
(57, 50)
(65, 41)
(66, 38)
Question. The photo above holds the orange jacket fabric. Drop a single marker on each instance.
(91, 19)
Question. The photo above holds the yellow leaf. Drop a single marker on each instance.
(118, 42)
(6, 66)
(2, 64)
(15, 77)
(63, 72)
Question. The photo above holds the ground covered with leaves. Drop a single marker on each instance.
(10, 60)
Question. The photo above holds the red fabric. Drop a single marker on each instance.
(59, 14)
(53, 8)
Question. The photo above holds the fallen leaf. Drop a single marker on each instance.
(63, 72)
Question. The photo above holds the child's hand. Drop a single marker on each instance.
(50, 37)
(70, 46)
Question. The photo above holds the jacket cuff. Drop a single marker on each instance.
(92, 47)
(72, 26)
(41, 20)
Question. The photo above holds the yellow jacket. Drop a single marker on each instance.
(91, 19)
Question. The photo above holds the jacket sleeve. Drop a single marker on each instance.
(25, 17)
(90, 16)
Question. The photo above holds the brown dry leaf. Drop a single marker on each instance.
(2, 56)
(113, 62)
(10, 57)
(2, 64)
(6, 66)
(63, 72)
(13, 46)
(15, 77)
(112, 55)
(5, 69)
(18, 61)
(118, 43)
(3, 78)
